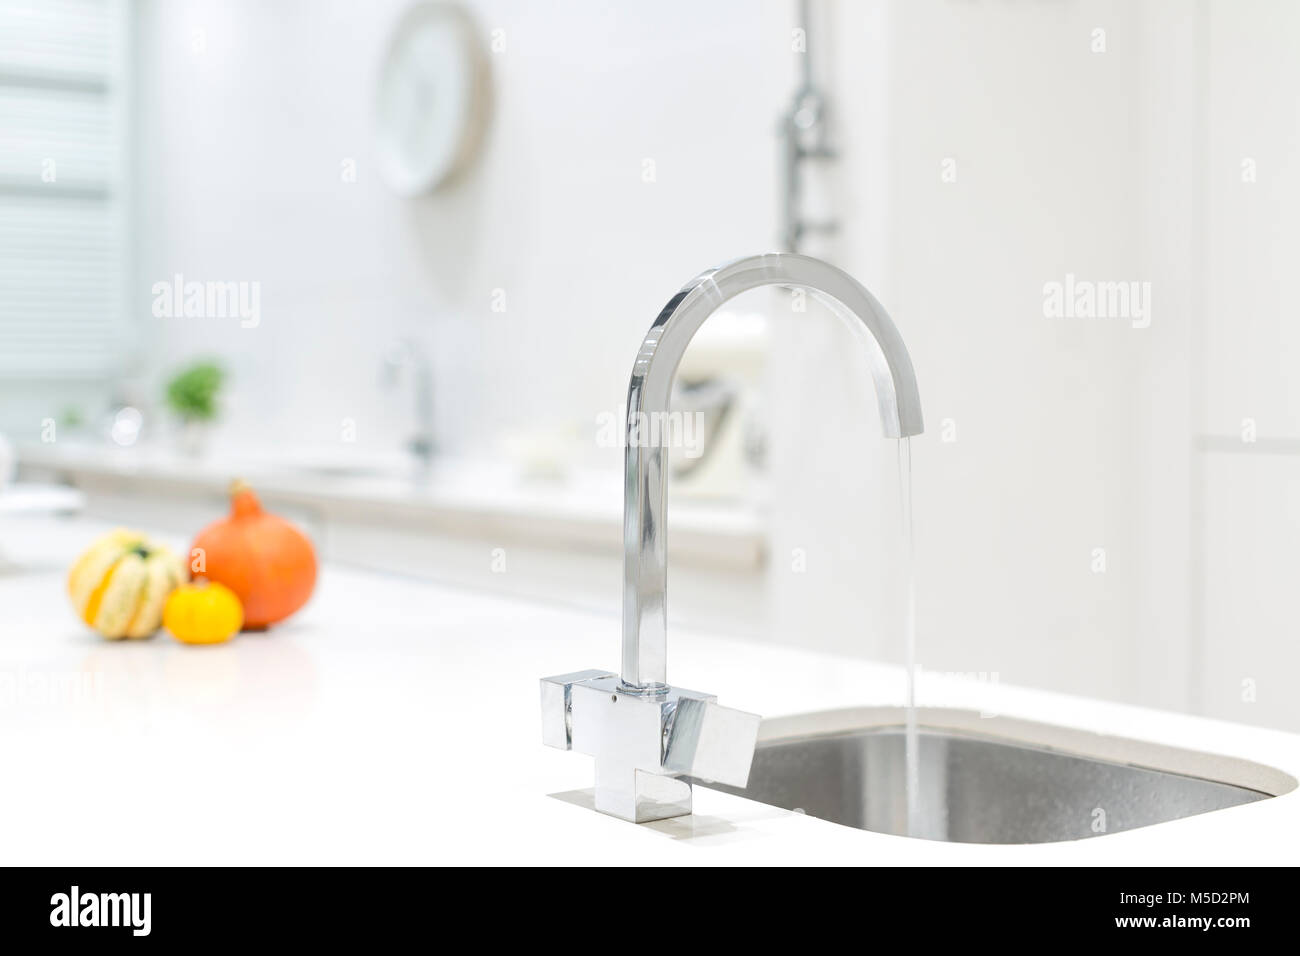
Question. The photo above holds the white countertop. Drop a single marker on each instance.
(397, 722)
(579, 509)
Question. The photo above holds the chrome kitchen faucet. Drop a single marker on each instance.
(646, 735)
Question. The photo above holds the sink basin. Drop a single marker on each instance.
(987, 780)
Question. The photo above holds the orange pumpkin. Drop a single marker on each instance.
(265, 560)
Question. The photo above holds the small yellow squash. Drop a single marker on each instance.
(119, 585)
(203, 613)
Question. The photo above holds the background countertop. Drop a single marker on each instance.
(394, 721)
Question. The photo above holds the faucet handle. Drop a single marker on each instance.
(557, 706)
(711, 742)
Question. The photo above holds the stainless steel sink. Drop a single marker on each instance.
(987, 780)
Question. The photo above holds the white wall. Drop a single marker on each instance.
(1069, 435)
(1042, 467)
(240, 149)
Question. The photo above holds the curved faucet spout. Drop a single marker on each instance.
(645, 467)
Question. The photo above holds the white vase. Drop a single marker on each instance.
(192, 438)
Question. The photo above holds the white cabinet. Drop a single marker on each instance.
(1249, 659)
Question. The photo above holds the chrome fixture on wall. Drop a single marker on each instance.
(804, 137)
(645, 734)
(406, 357)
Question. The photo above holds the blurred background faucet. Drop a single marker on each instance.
(804, 137)
(409, 360)
(646, 735)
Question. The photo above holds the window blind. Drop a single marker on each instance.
(63, 179)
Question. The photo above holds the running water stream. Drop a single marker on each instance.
(911, 736)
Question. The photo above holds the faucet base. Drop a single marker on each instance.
(640, 797)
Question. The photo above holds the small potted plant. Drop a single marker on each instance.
(192, 396)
